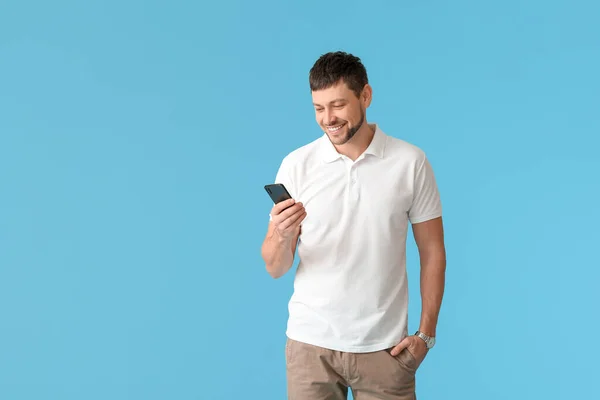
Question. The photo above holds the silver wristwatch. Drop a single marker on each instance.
(429, 340)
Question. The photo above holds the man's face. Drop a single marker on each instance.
(339, 112)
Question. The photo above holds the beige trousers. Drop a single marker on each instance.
(315, 373)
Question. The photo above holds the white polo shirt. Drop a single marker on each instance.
(350, 288)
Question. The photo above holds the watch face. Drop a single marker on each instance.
(431, 342)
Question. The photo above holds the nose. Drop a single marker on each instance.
(329, 118)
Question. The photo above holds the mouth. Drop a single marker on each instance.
(334, 129)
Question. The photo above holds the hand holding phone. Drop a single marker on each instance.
(286, 214)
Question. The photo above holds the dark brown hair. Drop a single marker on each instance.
(332, 67)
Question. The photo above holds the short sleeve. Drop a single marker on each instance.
(283, 175)
(426, 203)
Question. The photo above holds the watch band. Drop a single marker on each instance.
(429, 340)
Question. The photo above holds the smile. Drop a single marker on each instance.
(335, 128)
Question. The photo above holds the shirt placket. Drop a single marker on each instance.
(352, 191)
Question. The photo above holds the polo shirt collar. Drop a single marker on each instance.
(375, 148)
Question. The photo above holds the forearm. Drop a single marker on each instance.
(277, 255)
(433, 276)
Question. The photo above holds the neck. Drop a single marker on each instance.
(359, 143)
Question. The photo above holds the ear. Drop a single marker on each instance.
(366, 96)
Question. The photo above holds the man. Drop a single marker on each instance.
(354, 191)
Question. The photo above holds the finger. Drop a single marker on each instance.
(302, 218)
(293, 221)
(282, 205)
(281, 208)
(280, 219)
(290, 211)
(398, 348)
(299, 219)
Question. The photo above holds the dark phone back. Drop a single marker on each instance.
(277, 192)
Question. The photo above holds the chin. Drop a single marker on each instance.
(339, 140)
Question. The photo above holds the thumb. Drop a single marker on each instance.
(399, 347)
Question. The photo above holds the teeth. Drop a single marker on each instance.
(335, 128)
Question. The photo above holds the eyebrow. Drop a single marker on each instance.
(338, 100)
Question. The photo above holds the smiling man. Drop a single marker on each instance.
(355, 189)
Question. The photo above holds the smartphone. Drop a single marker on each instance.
(277, 192)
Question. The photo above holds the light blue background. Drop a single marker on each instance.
(135, 140)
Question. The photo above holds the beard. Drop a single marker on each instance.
(351, 132)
